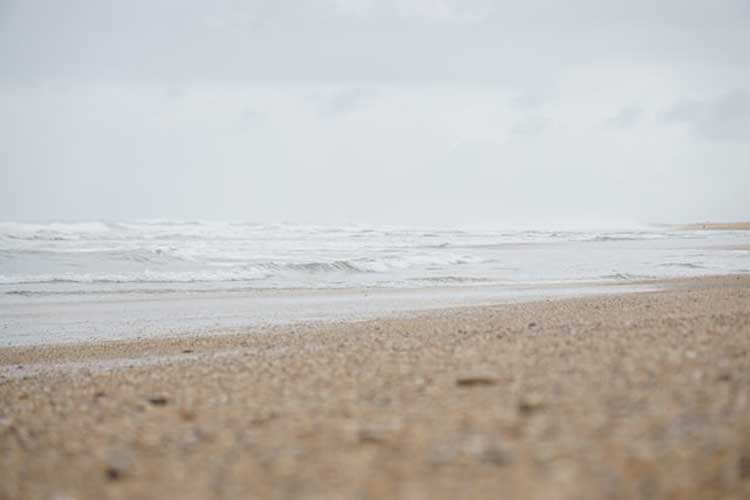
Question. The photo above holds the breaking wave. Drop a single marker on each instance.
(86, 256)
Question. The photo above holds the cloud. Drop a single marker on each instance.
(626, 118)
(683, 112)
(365, 98)
(360, 42)
(251, 119)
(529, 126)
(453, 10)
(342, 101)
(724, 118)
(527, 100)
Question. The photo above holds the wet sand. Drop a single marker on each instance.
(94, 318)
(641, 395)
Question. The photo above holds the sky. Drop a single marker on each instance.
(440, 112)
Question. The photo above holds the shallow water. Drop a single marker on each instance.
(49, 320)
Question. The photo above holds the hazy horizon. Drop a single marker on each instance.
(551, 225)
(413, 112)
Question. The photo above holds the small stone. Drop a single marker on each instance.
(487, 449)
(378, 432)
(186, 414)
(530, 403)
(113, 474)
(5, 423)
(158, 400)
(532, 324)
(370, 435)
(497, 455)
(117, 467)
(187, 351)
(264, 418)
(475, 381)
(193, 438)
(743, 466)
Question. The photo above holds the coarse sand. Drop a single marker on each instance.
(643, 395)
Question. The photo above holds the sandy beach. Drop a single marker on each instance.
(365, 250)
(643, 395)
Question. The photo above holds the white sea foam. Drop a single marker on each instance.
(80, 257)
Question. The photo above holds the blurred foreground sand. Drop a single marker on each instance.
(634, 396)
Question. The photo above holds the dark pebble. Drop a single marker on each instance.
(475, 381)
(743, 465)
(724, 377)
(529, 406)
(113, 473)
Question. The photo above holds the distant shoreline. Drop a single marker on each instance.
(715, 226)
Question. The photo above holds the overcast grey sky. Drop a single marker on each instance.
(357, 111)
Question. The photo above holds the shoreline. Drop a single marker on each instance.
(716, 226)
(225, 338)
(642, 394)
(50, 321)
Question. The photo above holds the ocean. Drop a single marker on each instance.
(158, 276)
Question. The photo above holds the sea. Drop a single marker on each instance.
(90, 281)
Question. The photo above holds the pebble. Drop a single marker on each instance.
(724, 377)
(378, 432)
(743, 466)
(187, 414)
(530, 403)
(5, 422)
(117, 467)
(488, 449)
(476, 381)
(475, 447)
